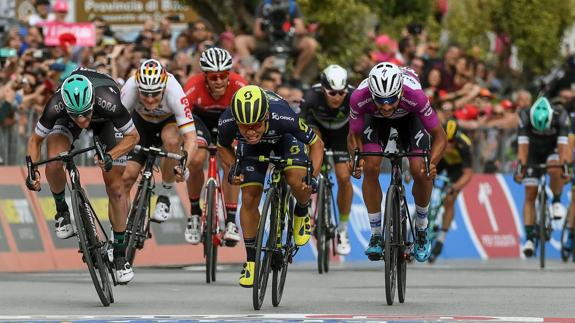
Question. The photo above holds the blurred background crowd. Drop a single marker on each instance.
(483, 82)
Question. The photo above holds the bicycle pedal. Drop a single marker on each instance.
(375, 257)
(156, 221)
(229, 243)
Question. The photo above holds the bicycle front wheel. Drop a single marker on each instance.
(265, 245)
(401, 258)
(542, 228)
(136, 228)
(320, 234)
(209, 232)
(391, 242)
(91, 245)
(281, 257)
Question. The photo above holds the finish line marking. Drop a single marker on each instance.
(287, 317)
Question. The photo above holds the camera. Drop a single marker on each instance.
(415, 29)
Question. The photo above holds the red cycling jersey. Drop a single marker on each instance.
(199, 95)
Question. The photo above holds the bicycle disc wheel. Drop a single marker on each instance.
(542, 229)
(90, 245)
(209, 232)
(401, 261)
(319, 226)
(135, 229)
(264, 249)
(280, 272)
(390, 242)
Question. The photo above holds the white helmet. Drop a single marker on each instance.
(385, 81)
(215, 60)
(151, 76)
(334, 77)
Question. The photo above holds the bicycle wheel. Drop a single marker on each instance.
(390, 242)
(401, 260)
(264, 248)
(136, 229)
(564, 234)
(209, 231)
(542, 228)
(280, 268)
(320, 226)
(329, 227)
(91, 247)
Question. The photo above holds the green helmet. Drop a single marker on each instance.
(541, 114)
(78, 93)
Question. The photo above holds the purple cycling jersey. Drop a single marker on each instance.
(412, 101)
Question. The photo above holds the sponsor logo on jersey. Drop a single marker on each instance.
(112, 90)
(364, 102)
(276, 116)
(106, 105)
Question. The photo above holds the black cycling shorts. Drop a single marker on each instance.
(335, 140)
(255, 172)
(150, 135)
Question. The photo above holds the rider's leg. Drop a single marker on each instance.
(171, 141)
(130, 175)
(55, 174)
(529, 210)
(249, 219)
(302, 226)
(448, 214)
(344, 196)
(571, 216)
(371, 190)
(231, 193)
(421, 191)
(344, 192)
(307, 48)
(556, 183)
(56, 177)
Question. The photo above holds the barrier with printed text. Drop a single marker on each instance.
(488, 224)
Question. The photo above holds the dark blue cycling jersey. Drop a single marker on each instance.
(281, 121)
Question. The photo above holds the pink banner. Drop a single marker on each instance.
(84, 33)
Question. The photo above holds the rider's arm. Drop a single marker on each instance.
(438, 143)
(316, 155)
(182, 110)
(464, 147)
(523, 137)
(356, 120)
(562, 138)
(125, 145)
(226, 132)
(34, 146)
(571, 147)
(299, 26)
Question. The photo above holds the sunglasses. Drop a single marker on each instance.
(334, 93)
(217, 76)
(151, 94)
(252, 126)
(385, 101)
(85, 114)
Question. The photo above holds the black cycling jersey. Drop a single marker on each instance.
(282, 121)
(107, 105)
(315, 109)
(559, 129)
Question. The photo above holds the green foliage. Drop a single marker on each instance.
(342, 32)
(535, 26)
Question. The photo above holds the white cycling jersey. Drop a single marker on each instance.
(174, 102)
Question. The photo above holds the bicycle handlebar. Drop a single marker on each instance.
(276, 161)
(392, 156)
(183, 158)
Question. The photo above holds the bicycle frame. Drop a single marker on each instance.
(93, 241)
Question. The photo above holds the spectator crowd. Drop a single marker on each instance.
(456, 80)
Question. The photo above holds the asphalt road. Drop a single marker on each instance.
(448, 290)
